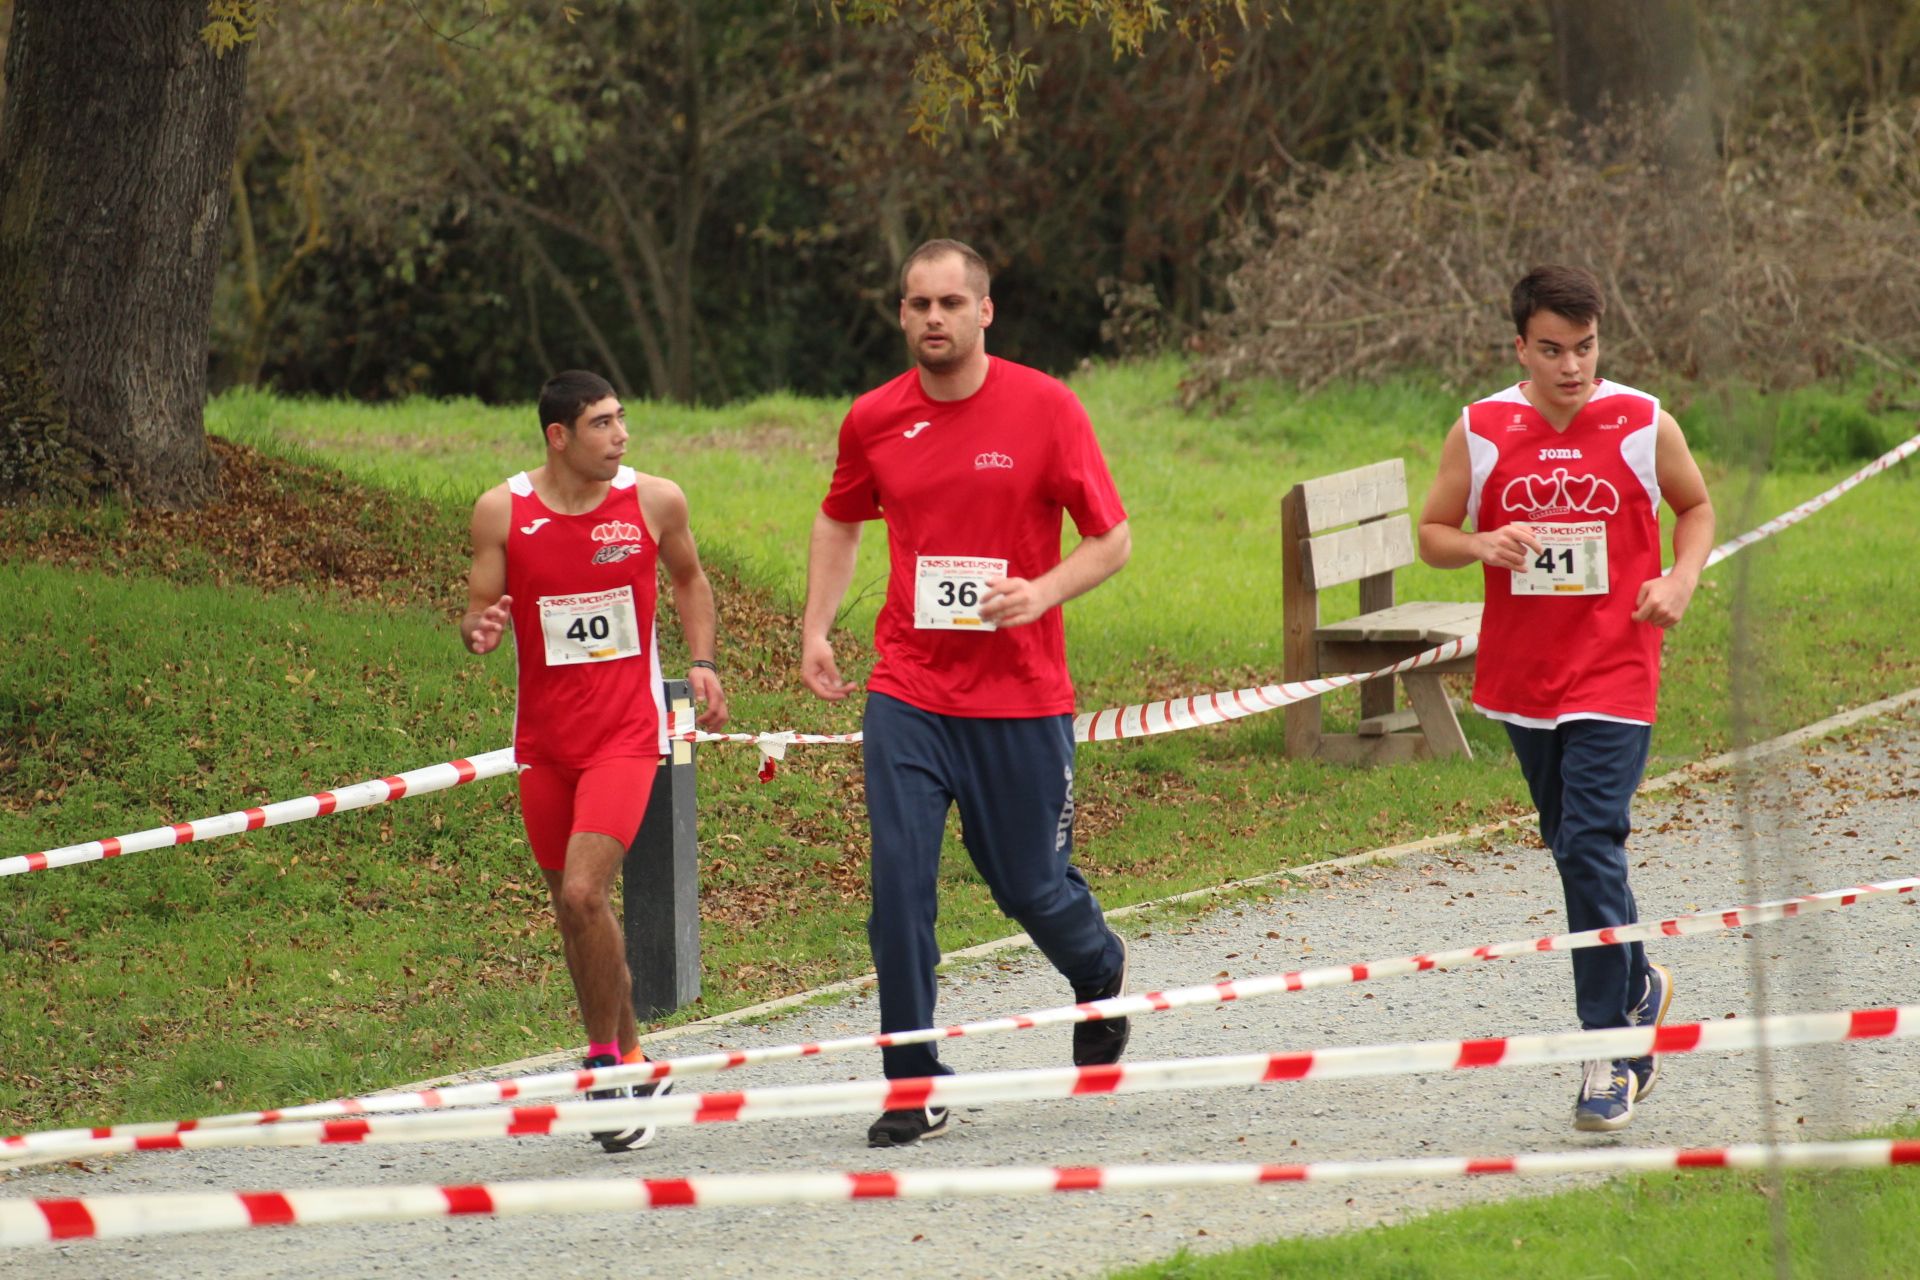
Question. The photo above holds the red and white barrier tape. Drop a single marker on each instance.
(414, 782)
(562, 1083)
(1138, 720)
(869, 1096)
(1899, 453)
(50, 1220)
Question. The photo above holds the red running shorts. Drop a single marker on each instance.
(608, 797)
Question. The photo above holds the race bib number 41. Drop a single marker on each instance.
(598, 626)
(947, 591)
(1572, 561)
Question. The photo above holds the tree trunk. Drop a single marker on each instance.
(1623, 54)
(116, 148)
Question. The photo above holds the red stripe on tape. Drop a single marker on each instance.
(1283, 1173)
(1359, 973)
(1288, 1066)
(1481, 1053)
(1095, 1080)
(1295, 982)
(1021, 1021)
(1158, 1001)
(874, 1186)
(157, 1142)
(352, 1106)
(1483, 953)
(718, 1108)
(328, 802)
(1422, 963)
(1671, 929)
(101, 1131)
(431, 1097)
(508, 1089)
(907, 1095)
(268, 1117)
(111, 847)
(38, 861)
(1682, 1037)
(537, 1120)
(1543, 944)
(1081, 1179)
(464, 770)
(669, 1193)
(583, 1080)
(186, 1126)
(344, 1131)
(737, 1058)
(256, 819)
(66, 1219)
(1731, 919)
(809, 1050)
(1871, 1024)
(182, 832)
(267, 1208)
(1227, 991)
(396, 787)
(1608, 936)
(1904, 1151)
(1706, 1158)
(1501, 1165)
(470, 1199)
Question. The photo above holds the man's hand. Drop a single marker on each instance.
(483, 635)
(820, 673)
(1014, 602)
(1663, 600)
(1511, 546)
(709, 696)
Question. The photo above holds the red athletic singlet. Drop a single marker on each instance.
(1559, 642)
(583, 591)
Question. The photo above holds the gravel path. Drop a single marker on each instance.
(1834, 813)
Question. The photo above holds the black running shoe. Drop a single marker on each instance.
(904, 1128)
(1100, 1043)
(624, 1139)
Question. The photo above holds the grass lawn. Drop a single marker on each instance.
(393, 944)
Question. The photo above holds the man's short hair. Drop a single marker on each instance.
(1573, 292)
(566, 394)
(976, 266)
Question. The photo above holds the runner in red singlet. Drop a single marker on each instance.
(1562, 477)
(568, 554)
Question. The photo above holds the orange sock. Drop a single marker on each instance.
(635, 1054)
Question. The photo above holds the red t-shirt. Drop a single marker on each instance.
(984, 478)
(584, 591)
(1569, 649)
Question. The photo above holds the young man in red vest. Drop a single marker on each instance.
(972, 462)
(567, 554)
(1562, 476)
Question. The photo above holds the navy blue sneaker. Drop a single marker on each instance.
(1650, 1012)
(1606, 1097)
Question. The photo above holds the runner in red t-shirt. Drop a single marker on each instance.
(1562, 476)
(971, 462)
(567, 554)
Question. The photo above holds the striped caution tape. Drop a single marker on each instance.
(1045, 1084)
(47, 1221)
(562, 1083)
(1137, 720)
(414, 782)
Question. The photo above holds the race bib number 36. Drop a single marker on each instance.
(947, 591)
(1572, 561)
(598, 626)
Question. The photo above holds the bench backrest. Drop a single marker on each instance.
(1371, 499)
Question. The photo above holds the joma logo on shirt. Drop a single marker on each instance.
(1559, 453)
(993, 461)
(617, 531)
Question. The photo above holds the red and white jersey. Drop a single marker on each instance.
(584, 593)
(1558, 641)
(971, 490)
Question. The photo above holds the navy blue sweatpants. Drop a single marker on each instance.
(1582, 776)
(1013, 781)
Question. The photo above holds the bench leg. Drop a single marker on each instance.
(1429, 698)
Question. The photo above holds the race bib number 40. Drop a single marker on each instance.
(1572, 561)
(947, 591)
(598, 626)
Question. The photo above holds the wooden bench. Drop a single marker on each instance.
(1354, 527)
